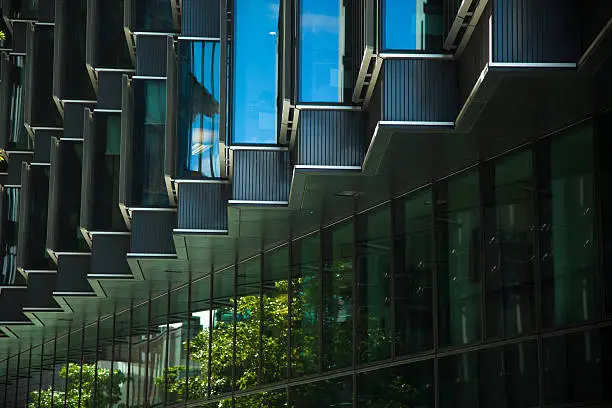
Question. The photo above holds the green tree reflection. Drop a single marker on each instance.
(81, 389)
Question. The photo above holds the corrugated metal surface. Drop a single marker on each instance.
(108, 254)
(419, 90)
(201, 18)
(151, 55)
(202, 206)
(72, 273)
(475, 56)
(152, 232)
(535, 31)
(330, 138)
(109, 90)
(261, 175)
(171, 109)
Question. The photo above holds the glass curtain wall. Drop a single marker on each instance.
(412, 25)
(255, 71)
(10, 218)
(198, 119)
(18, 136)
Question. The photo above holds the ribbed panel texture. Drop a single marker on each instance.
(475, 57)
(108, 254)
(356, 39)
(420, 90)
(535, 31)
(24, 220)
(125, 167)
(109, 90)
(261, 175)
(89, 148)
(151, 55)
(330, 138)
(152, 232)
(54, 195)
(202, 206)
(201, 18)
(72, 273)
(171, 109)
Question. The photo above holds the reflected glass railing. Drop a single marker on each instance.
(10, 221)
(18, 138)
(199, 150)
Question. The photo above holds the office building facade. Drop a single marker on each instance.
(306, 203)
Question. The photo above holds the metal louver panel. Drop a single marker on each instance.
(203, 206)
(261, 175)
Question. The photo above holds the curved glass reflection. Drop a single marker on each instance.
(198, 124)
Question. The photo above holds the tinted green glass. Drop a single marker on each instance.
(305, 305)
(509, 226)
(338, 296)
(568, 260)
(199, 338)
(459, 250)
(336, 392)
(374, 259)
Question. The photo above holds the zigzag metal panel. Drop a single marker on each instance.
(152, 232)
(532, 31)
(151, 55)
(419, 90)
(330, 138)
(202, 206)
(261, 175)
(201, 18)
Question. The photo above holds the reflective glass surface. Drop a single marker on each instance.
(18, 136)
(10, 219)
(459, 251)
(321, 42)
(153, 15)
(335, 392)
(111, 48)
(198, 118)
(254, 112)
(412, 25)
(568, 257)
(509, 260)
(149, 186)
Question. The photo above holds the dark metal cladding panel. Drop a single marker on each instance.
(89, 149)
(5, 94)
(24, 220)
(91, 32)
(14, 169)
(109, 90)
(201, 18)
(72, 273)
(373, 114)
(59, 32)
(108, 254)
(54, 195)
(73, 120)
(128, 13)
(151, 55)
(475, 57)
(42, 144)
(330, 138)
(11, 302)
(261, 175)
(152, 232)
(535, 31)
(171, 109)
(420, 90)
(451, 8)
(19, 36)
(355, 39)
(202, 206)
(595, 15)
(40, 290)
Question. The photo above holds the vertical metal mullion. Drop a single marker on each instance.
(129, 369)
(95, 384)
(598, 234)
(147, 352)
(223, 91)
(484, 180)
(53, 369)
(537, 251)
(289, 307)
(189, 285)
(210, 334)
(29, 375)
(261, 317)
(235, 316)
(112, 364)
(6, 381)
(17, 378)
(67, 367)
(393, 271)
(321, 305)
(167, 359)
(40, 375)
(355, 300)
(434, 285)
(81, 363)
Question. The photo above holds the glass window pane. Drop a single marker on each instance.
(577, 367)
(412, 24)
(413, 274)
(223, 325)
(177, 345)
(336, 392)
(510, 242)
(10, 218)
(153, 15)
(255, 71)
(149, 186)
(18, 136)
(410, 385)
(306, 305)
(459, 249)
(321, 51)
(338, 296)
(199, 338)
(374, 262)
(568, 261)
(198, 119)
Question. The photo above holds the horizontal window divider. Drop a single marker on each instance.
(260, 148)
(109, 276)
(107, 110)
(323, 167)
(198, 231)
(109, 233)
(201, 181)
(40, 271)
(73, 253)
(17, 287)
(11, 185)
(150, 77)
(20, 152)
(541, 65)
(78, 101)
(43, 23)
(35, 128)
(22, 20)
(187, 38)
(412, 55)
(254, 202)
(71, 139)
(153, 34)
(40, 164)
(42, 309)
(153, 256)
(88, 294)
(167, 209)
(328, 107)
(125, 70)
(415, 123)
(18, 54)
